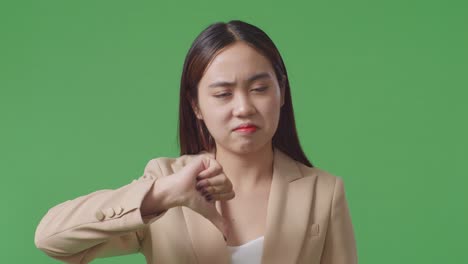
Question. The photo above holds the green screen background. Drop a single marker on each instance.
(89, 94)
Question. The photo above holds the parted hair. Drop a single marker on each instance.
(193, 133)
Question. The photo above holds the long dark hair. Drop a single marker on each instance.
(193, 133)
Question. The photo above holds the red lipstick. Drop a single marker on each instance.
(246, 128)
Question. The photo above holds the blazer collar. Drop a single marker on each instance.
(289, 205)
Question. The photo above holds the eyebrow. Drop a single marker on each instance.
(262, 75)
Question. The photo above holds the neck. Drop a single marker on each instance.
(247, 171)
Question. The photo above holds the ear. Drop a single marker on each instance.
(196, 110)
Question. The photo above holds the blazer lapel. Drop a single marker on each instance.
(207, 241)
(289, 206)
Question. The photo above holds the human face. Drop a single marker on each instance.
(239, 86)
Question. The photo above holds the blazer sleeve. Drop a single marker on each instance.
(101, 224)
(340, 243)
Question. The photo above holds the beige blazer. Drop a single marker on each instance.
(308, 221)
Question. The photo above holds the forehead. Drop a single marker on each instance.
(236, 62)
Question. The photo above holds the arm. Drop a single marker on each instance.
(103, 223)
(340, 244)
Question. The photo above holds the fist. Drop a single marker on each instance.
(199, 184)
(213, 184)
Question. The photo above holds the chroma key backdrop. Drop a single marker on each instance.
(89, 94)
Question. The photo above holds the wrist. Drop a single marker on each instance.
(158, 198)
(163, 193)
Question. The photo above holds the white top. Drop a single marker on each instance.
(248, 253)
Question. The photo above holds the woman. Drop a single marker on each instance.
(242, 190)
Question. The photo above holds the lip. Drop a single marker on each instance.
(246, 126)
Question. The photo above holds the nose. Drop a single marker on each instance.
(243, 106)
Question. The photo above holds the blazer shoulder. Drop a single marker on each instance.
(325, 179)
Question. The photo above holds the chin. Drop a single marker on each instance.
(242, 147)
(246, 148)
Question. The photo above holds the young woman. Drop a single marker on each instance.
(241, 191)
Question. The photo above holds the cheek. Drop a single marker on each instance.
(206, 108)
(272, 109)
(216, 119)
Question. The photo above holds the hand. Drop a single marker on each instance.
(212, 185)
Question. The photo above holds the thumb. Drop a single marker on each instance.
(217, 220)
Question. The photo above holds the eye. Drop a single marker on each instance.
(222, 95)
(261, 89)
